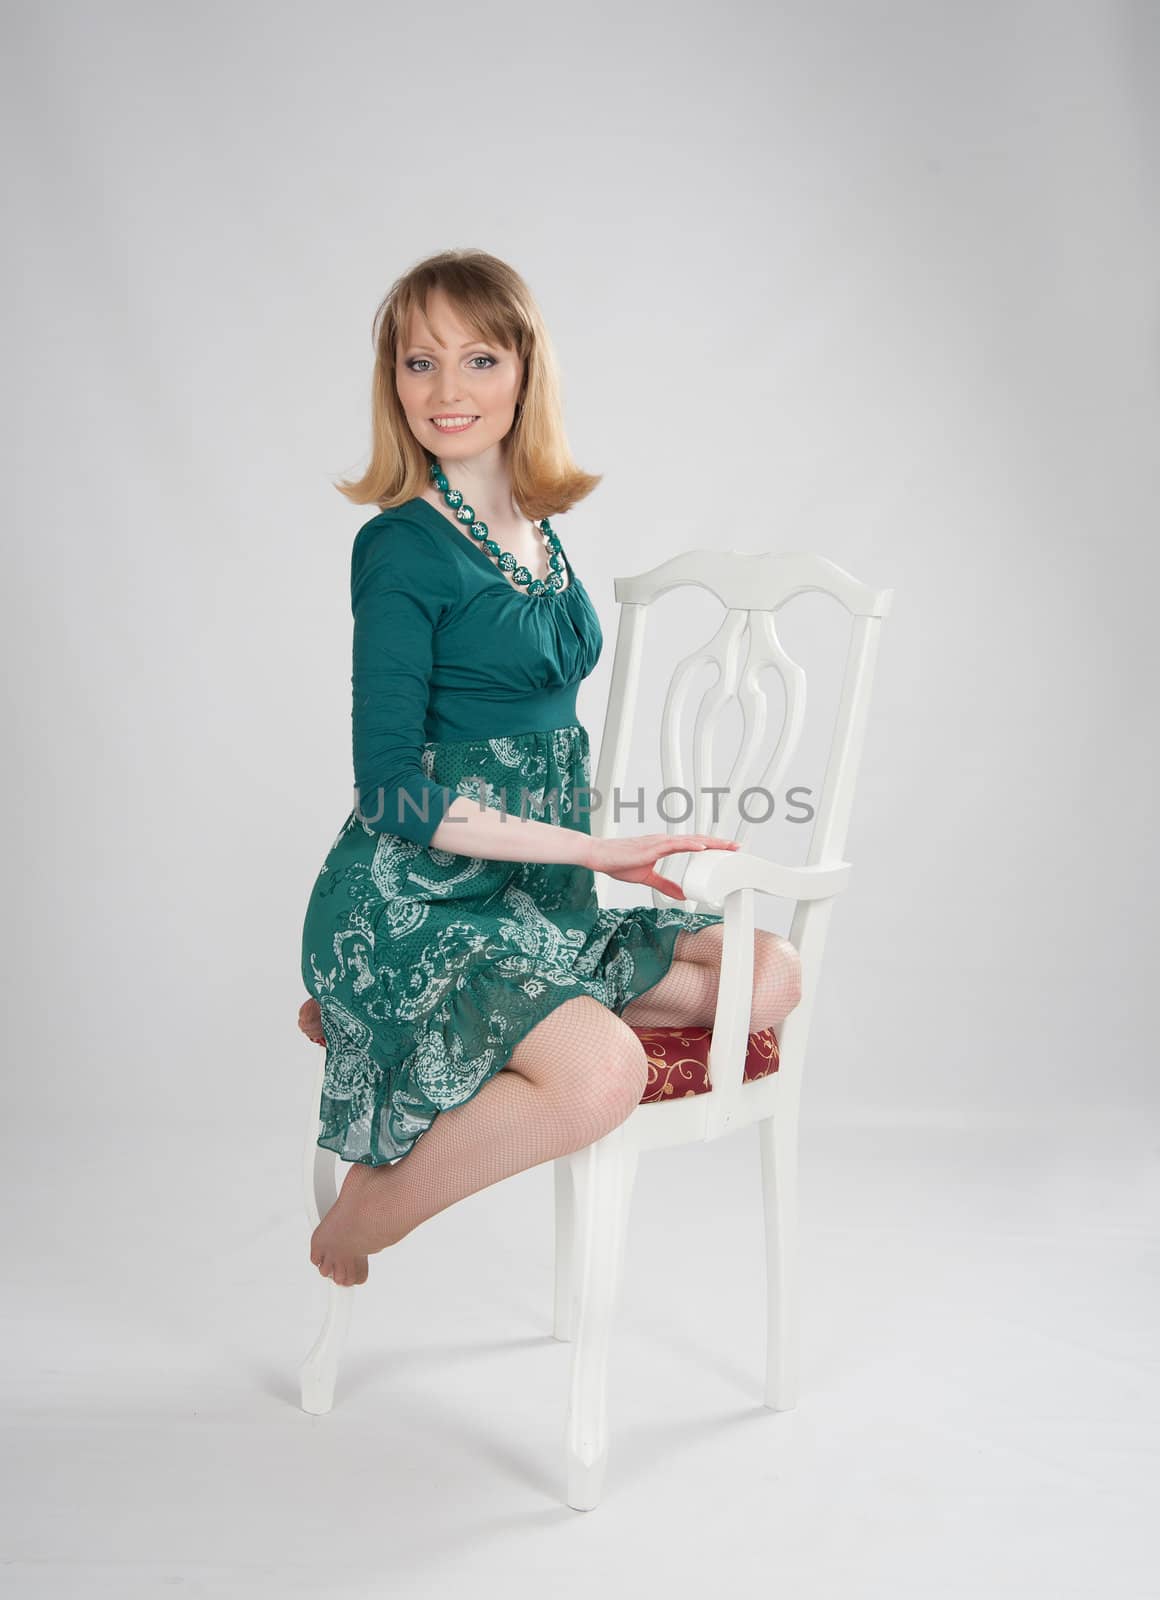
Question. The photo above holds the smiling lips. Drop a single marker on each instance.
(453, 424)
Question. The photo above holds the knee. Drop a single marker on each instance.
(616, 1079)
(589, 1064)
(777, 979)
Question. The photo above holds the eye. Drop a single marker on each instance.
(416, 361)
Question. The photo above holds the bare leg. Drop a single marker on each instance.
(576, 1075)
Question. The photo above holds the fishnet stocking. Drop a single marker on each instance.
(688, 991)
(577, 1075)
(573, 1078)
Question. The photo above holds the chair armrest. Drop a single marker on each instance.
(711, 875)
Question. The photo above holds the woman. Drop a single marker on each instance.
(475, 1002)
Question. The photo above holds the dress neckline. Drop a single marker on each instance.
(456, 532)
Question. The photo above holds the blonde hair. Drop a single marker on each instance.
(497, 304)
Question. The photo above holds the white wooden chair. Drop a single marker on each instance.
(593, 1186)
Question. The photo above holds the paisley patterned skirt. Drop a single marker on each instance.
(430, 966)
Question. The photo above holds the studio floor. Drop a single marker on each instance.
(980, 1383)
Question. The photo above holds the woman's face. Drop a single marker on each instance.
(446, 371)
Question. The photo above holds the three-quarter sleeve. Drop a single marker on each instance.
(399, 591)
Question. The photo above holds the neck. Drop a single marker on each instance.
(486, 485)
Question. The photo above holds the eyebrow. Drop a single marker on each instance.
(465, 346)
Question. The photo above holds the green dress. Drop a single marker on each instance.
(430, 966)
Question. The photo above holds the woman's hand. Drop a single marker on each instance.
(633, 860)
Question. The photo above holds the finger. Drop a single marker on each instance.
(666, 886)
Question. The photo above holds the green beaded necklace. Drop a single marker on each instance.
(538, 588)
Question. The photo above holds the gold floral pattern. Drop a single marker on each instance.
(678, 1060)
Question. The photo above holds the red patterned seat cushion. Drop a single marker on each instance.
(678, 1060)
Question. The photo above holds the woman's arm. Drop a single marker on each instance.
(397, 594)
(470, 829)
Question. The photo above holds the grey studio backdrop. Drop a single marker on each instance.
(873, 280)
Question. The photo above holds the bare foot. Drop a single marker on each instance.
(310, 1021)
(340, 1244)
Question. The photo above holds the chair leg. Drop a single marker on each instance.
(319, 1371)
(779, 1184)
(603, 1173)
(564, 1297)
